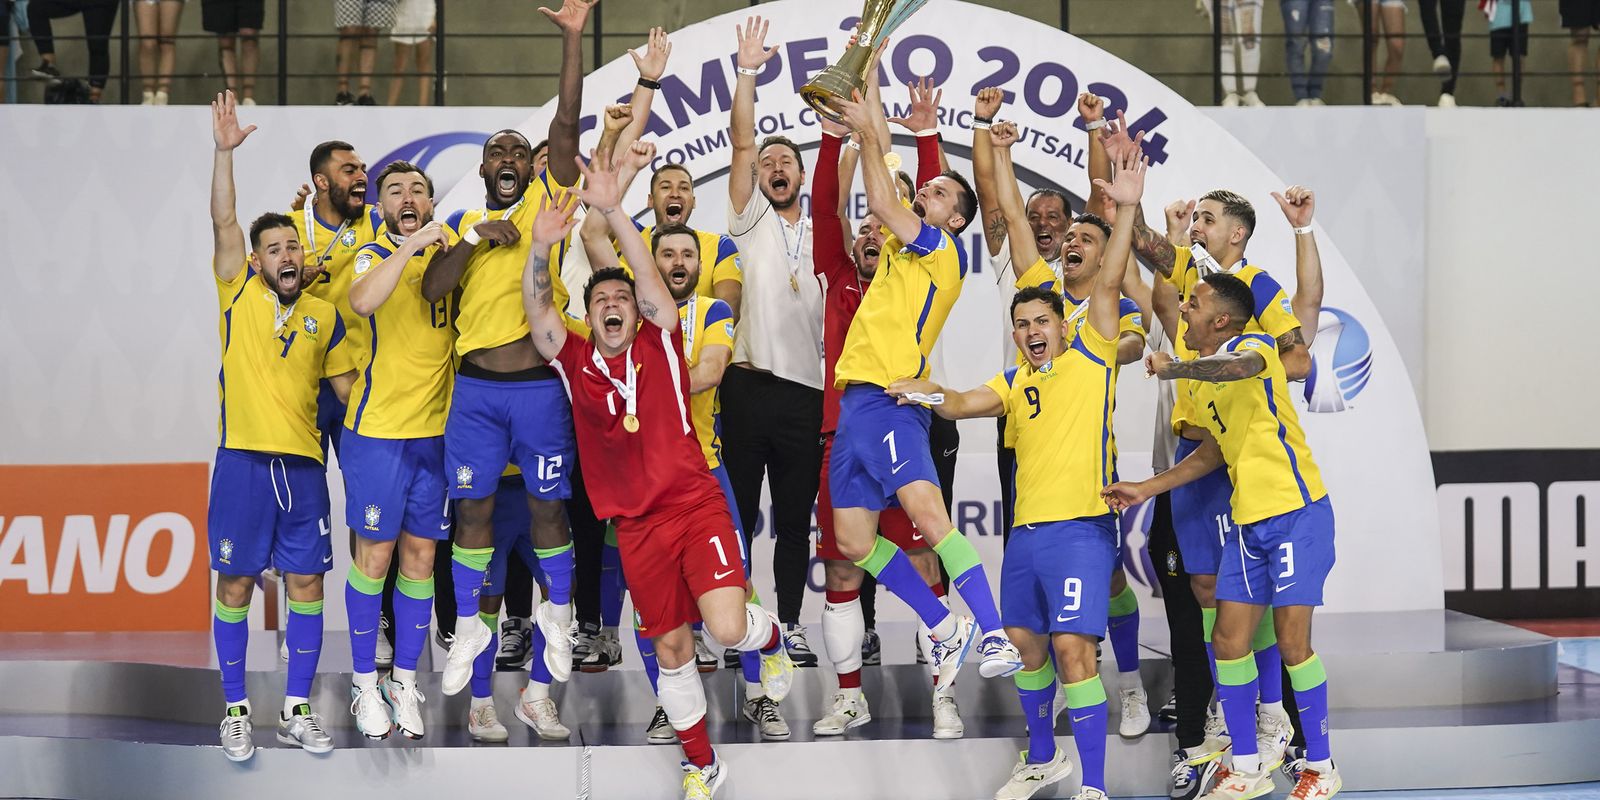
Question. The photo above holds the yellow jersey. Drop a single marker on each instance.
(1273, 316)
(491, 312)
(1255, 424)
(1040, 274)
(719, 259)
(1061, 415)
(403, 389)
(332, 249)
(706, 322)
(273, 357)
(903, 311)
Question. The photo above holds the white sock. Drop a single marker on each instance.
(535, 691)
(754, 691)
(465, 623)
(1250, 65)
(844, 627)
(1322, 767)
(561, 613)
(405, 676)
(945, 629)
(289, 703)
(1249, 763)
(1230, 81)
(364, 680)
(480, 702)
(925, 647)
(1274, 709)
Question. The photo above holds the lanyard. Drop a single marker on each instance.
(627, 389)
(311, 231)
(280, 313)
(689, 325)
(793, 254)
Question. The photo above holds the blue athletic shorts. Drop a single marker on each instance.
(268, 511)
(1056, 576)
(330, 420)
(1280, 561)
(1202, 515)
(393, 485)
(495, 423)
(720, 471)
(880, 446)
(513, 533)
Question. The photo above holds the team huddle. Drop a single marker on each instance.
(470, 401)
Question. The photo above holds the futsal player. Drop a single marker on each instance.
(507, 406)
(672, 201)
(1279, 551)
(1056, 580)
(269, 490)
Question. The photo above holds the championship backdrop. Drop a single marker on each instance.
(111, 345)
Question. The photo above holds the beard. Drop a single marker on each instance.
(340, 198)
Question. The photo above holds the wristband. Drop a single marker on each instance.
(980, 125)
(985, 120)
(853, 145)
(928, 132)
(747, 71)
(1302, 231)
(1094, 126)
(472, 237)
(647, 83)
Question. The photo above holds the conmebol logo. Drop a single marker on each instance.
(1341, 362)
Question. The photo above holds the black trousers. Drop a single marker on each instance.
(772, 430)
(98, 19)
(1444, 40)
(588, 542)
(1191, 672)
(944, 440)
(1006, 466)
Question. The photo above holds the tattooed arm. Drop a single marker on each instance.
(1235, 366)
(550, 226)
(1295, 355)
(986, 183)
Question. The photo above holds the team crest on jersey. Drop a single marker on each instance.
(1172, 562)
(728, 327)
(373, 514)
(463, 477)
(311, 324)
(1283, 302)
(348, 239)
(225, 551)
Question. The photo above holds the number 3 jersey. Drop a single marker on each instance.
(1259, 432)
(1061, 414)
(403, 388)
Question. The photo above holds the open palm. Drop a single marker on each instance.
(572, 16)
(225, 130)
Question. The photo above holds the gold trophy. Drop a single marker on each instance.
(879, 18)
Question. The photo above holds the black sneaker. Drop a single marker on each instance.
(794, 640)
(444, 638)
(1169, 712)
(344, 99)
(366, 100)
(516, 644)
(1186, 781)
(47, 70)
(872, 649)
(730, 658)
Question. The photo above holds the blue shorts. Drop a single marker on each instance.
(1202, 515)
(330, 419)
(268, 511)
(720, 472)
(1279, 561)
(394, 485)
(880, 446)
(495, 423)
(1056, 576)
(513, 533)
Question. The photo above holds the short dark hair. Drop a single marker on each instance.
(398, 167)
(541, 145)
(1234, 205)
(785, 142)
(967, 204)
(1066, 206)
(513, 131)
(665, 167)
(905, 178)
(1050, 297)
(672, 229)
(323, 153)
(267, 222)
(601, 276)
(1235, 295)
(1095, 220)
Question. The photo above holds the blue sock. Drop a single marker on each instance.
(961, 562)
(611, 586)
(230, 632)
(1037, 691)
(483, 665)
(557, 565)
(1237, 687)
(647, 654)
(467, 568)
(894, 571)
(1086, 704)
(304, 635)
(413, 607)
(363, 603)
(1310, 683)
(537, 670)
(750, 665)
(1269, 666)
(1123, 615)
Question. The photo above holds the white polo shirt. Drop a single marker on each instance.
(780, 310)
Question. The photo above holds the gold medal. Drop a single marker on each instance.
(630, 423)
(794, 285)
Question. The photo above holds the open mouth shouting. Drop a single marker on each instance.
(1044, 241)
(871, 250)
(505, 181)
(358, 192)
(612, 323)
(678, 278)
(918, 209)
(410, 221)
(1073, 258)
(674, 212)
(779, 184)
(1036, 347)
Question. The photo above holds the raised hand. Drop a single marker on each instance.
(753, 51)
(858, 115)
(639, 155)
(600, 188)
(554, 220)
(990, 98)
(1179, 213)
(1114, 136)
(1004, 134)
(572, 16)
(618, 116)
(299, 201)
(1091, 107)
(225, 130)
(657, 50)
(924, 114)
(1298, 204)
(834, 128)
(1127, 176)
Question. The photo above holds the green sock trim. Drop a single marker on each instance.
(882, 551)
(359, 581)
(611, 534)
(1086, 693)
(415, 589)
(471, 557)
(957, 554)
(1208, 621)
(755, 598)
(1308, 675)
(231, 614)
(1125, 603)
(1238, 671)
(491, 620)
(1035, 679)
(309, 608)
(551, 552)
(1266, 635)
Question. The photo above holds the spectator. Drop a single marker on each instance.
(158, 46)
(358, 22)
(1241, 49)
(1389, 17)
(237, 25)
(1307, 23)
(1444, 42)
(1502, 39)
(1578, 17)
(414, 22)
(98, 18)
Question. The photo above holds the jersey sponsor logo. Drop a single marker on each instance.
(463, 477)
(1341, 362)
(372, 516)
(310, 323)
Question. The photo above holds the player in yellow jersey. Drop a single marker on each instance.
(507, 405)
(672, 200)
(1055, 585)
(393, 452)
(269, 491)
(1280, 551)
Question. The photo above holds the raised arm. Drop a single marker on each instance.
(985, 183)
(1150, 245)
(1091, 107)
(603, 193)
(1219, 368)
(1299, 204)
(882, 199)
(1125, 189)
(550, 226)
(979, 402)
(569, 100)
(652, 64)
(227, 238)
(614, 119)
(830, 235)
(753, 52)
(1019, 234)
(923, 122)
(373, 286)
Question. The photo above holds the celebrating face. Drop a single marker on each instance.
(1049, 218)
(938, 202)
(613, 316)
(780, 174)
(672, 196)
(344, 179)
(406, 201)
(1038, 331)
(678, 261)
(867, 247)
(280, 261)
(507, 167)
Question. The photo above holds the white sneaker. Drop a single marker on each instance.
(1441, 65)
(160, 98)
(464, 649)
(149, 98)
(848, 709)
(948, 655)
(483, 723)
(238, 743)
(1317, 101)
(1447, 100)
(660, 730)
(1000, 656)
(371, 712)
(1314, 785)
(540, 715)
(406, 702)
(947, 717)
(1253, 100)
(1272, 738)
(383, 655)
(304, 730)
(1241, 786)
(1135, 713)
(1089, 793)
(704, 661)
(702, 783)
(1028, 779)
(1231, 101)
(764, 714)
(247, 101)
(557, 638)
(1216, 742)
